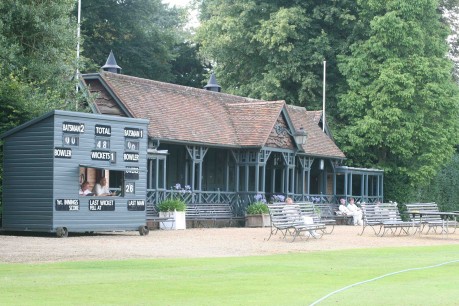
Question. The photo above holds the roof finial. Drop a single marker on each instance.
(212, 85)
(111, 65)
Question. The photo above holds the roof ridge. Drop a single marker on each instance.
(171, 86)
(258, 102)
(297, 106)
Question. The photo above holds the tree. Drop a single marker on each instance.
(400, 112)
(188, 68)
(37, 57)
(443, 188)
(450, 13)
(275, 50)
(145, 36)
(37, 60)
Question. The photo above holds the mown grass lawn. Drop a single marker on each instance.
(293, 279)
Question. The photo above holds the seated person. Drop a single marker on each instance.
(85, 190)
(101, 188)
(351, 210)
(293, 212)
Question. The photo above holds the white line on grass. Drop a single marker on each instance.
(379, 277)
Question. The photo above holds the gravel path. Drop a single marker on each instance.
(197, 242)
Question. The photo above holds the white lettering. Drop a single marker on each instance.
(131, 157)
(100, 155)
(103, 130)
(73, 127)
(67, 204)
(106, 202)
(133, 133)
(67, 153)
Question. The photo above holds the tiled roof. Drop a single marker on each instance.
(254, 121)
(318, 143)
(315, 115)
(184, 114)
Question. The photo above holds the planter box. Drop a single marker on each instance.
(261, 220)
(179, 221)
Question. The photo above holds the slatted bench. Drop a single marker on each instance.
(341, 218)
(430, 220)
(288, 220)
(384, 218)
(328, 212)
(321, 213)
(204, 213)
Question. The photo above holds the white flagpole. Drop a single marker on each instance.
(323, 101)
(78, 47)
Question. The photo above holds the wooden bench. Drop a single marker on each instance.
(321, 214)
(289, 221)
(430, 221)
(341, 218)
(206, 213)
(384, 218)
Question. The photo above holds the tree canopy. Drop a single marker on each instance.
(37, 58)
(275, 50)
(400, 112)
(146, 37)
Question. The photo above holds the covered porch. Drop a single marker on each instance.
(228, 175)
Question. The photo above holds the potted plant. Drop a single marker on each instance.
(257, 215)
(174, 209)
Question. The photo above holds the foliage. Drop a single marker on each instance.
(275, 50)
(259, 198)
(401, 107)
(442, 188)
(37, 57)
(37, 60)
(146, 37)
(277, 198)
(257, 208)
(451, 18)
(176, 202)
(172, 205)
(188, 67)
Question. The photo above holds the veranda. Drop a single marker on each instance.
(215, 175)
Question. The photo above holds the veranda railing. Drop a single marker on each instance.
(238, 200)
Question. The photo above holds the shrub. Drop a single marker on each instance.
(257, 208)
(171, 205)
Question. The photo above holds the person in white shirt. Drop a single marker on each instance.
(101, 188)
(293, 212)
(85, 190)
(356, 210)
(351, 210)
